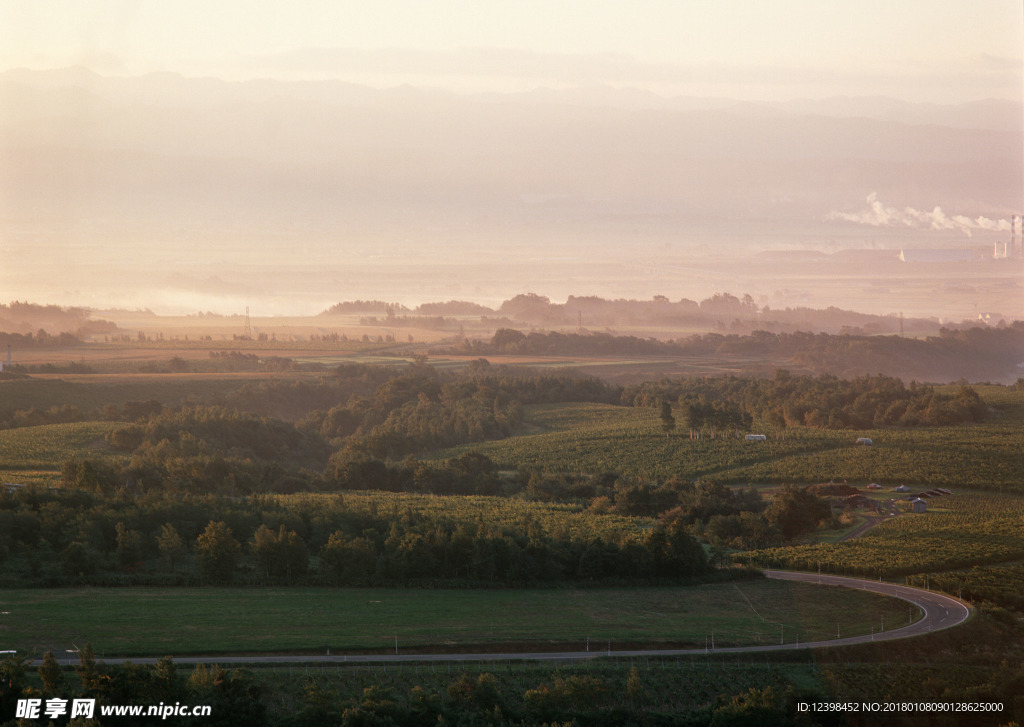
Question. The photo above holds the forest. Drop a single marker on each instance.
(69, 537)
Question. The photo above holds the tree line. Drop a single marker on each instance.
(387, 415)
(721, 310)
(976, 354)
(289, 541)
(826, 401)
(61, 537)
(604, 696)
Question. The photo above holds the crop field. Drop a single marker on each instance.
(572, 519)
(596, 438)
(156, 621)
(47, 446)
(958, 532)
(1002, 584)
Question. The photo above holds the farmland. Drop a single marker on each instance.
(559, 515)
(44, 447)
(960, 531)
(594, 437)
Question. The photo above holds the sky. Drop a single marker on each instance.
(919, 50)
(150, 189)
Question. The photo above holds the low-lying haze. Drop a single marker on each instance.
(605, 169)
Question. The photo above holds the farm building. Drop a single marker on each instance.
(756, 437)
(919, 505)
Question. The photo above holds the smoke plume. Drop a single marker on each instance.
(878, 214)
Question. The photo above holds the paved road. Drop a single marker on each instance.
(941, 612)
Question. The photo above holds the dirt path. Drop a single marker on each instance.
(870, 523)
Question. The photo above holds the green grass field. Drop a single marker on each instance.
(179, 621)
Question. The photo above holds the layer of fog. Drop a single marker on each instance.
(180, 195)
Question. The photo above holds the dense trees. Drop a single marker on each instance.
(216, 449)
(796, 512)
(158, 538)
(825, 401)
(979, 662)
(282, 556)
(211, 449)
(298, 539)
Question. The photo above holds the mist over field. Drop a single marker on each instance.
(184, 194)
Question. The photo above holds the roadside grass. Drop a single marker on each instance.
(180, 621)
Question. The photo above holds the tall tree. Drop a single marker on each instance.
(168, 542)
(51, 675)
(89, 673)
(12, 681)
(129, 546)
(217, 552)
(668, 422)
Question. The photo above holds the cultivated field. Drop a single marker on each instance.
(589, 437)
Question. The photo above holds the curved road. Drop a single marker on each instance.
(940, 612)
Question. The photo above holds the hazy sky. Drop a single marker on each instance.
(922, 50)
(185, 195)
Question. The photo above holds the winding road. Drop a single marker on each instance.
(940, 612)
